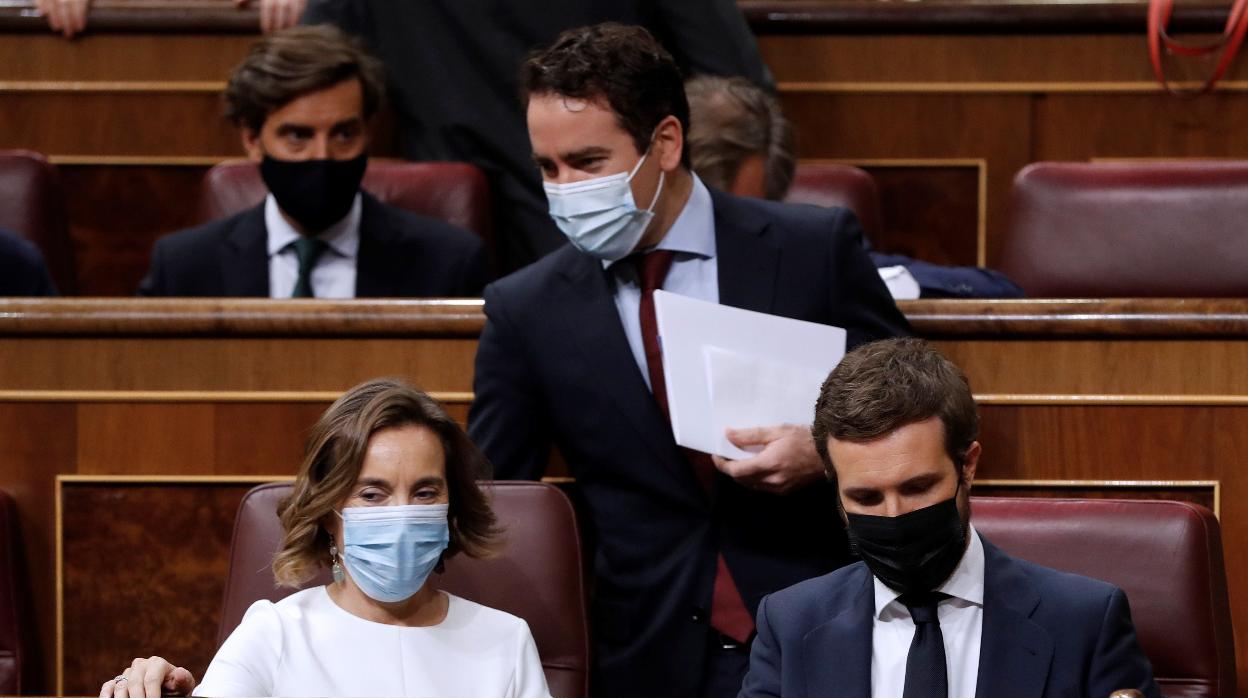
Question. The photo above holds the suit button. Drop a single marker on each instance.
(698, 615)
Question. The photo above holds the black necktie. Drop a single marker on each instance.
(926, 675)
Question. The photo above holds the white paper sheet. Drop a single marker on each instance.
(900, 282)
(727, 367)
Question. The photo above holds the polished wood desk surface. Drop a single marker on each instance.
(241, 317)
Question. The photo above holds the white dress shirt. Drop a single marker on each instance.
(694, 271)
(306, 645)
(961, 623)
(333, 275)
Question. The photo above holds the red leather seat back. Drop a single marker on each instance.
(537, 576)
(1128, 230)
(1167, 557)
(10, 621)
(455, 192)
(34, 209)
(828, 185)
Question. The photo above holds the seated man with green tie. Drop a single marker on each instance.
(303, 99)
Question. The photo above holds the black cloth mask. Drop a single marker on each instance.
(914, 552)
(315, 193)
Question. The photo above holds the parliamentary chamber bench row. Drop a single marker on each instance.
(170, 411)
(942, 104)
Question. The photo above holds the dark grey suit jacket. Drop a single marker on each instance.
(1046, 634)
(554, 367)
(402, 255)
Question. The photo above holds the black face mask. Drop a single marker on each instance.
(914, 552)
(315, 193)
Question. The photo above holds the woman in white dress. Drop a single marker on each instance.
(387, 491)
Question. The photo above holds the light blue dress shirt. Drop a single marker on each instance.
(694, 271)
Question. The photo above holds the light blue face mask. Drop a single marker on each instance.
(390, 551)
(599, 216)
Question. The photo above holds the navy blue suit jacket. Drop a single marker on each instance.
(553, 367)
(1046, 634)
(22, 271)
(402, 255)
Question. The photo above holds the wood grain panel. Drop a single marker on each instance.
(144, 570)
(262, 438)
(929, 213)
(1127, 367)
(119, 123)
(38, 442)
(125, 439)
(916, 127)
(116, 214)
(1082, 127)
(916, 59)
(301, 364)
(96, 56)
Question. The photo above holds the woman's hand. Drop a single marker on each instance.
(146, 678)
(65, 16)
(276, 14)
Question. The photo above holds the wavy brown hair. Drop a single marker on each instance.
(297, 61)
(335, 456)
(891, 383)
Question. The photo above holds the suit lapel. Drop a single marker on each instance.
(245, 257)
(593, 319)
(746, 256)
(377, 273)
(1015, 653)
(837, 654)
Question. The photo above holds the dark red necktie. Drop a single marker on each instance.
(728, 613)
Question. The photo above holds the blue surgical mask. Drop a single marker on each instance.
(390, 551)
(599, 216)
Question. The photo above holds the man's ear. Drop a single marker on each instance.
(669, 143)
(251, 144)
(970, 463)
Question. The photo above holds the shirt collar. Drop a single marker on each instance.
(693, 231)
(966, 582)
(343, 237)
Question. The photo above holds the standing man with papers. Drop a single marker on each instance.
(569, 357)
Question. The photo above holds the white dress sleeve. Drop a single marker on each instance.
(246, 664)
(530, 677)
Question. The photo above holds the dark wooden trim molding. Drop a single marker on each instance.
(149, 17)
(235, 317)
(1132, 317)
(463, 318)
(764, 16)
(969, 17)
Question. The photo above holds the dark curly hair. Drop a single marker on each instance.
(623, 65)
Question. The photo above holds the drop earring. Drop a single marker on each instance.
(336, 569)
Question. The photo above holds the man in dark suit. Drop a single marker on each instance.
(686, 545)
(933, 609)
(742, 143)
(303, 99)
(22, 271)
(453, 71)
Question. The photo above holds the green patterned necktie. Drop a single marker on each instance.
(308, 250)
